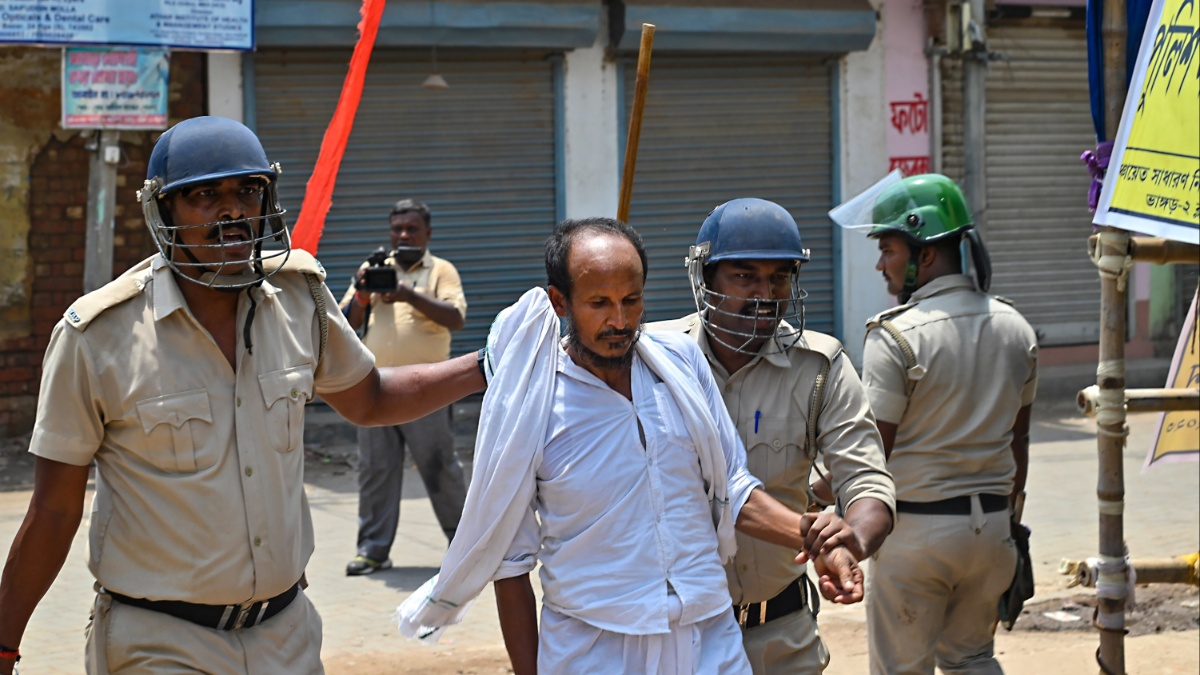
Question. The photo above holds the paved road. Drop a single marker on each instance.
(1162, 518)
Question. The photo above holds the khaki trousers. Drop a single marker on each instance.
(134, 641)
(933, 592)
(789, 645)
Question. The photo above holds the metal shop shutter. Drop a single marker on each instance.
(1037, 223)
(721, 127)
(481, 154)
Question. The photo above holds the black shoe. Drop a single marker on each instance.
(363, 565)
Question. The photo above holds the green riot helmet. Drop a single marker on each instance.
(924, 209)
(928, 209)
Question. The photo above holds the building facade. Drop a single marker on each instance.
(804, 103)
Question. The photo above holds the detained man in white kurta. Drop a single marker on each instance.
(609, 457)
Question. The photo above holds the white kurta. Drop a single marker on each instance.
(626, 537)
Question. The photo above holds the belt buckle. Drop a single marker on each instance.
(242, 615)
(743, 613)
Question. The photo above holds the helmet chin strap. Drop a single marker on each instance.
(910, 275)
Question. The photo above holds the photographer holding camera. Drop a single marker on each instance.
(406, 303)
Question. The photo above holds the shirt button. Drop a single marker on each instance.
(258, 541)
(745, 568)
(728, 388)
(777, 443)
(295, 393)
(249, 471)
(239, 401)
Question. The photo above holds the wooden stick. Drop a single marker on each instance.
(1110, 446)
(635, 120)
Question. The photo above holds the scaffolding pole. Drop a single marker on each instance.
(1114, 263)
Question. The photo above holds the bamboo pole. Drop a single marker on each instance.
(635, 121)
(1163, 251)
(1142, 400)
(1178, 570)
(1156, 250)
(1110, 445)
(1110, 377)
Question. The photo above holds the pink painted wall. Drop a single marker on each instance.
(906, 83)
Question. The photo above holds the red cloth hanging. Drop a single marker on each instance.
(319, 195)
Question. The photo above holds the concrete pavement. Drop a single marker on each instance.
(1162, 518)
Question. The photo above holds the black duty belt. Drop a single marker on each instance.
(792, 598)
(955, 506)
(218, 617)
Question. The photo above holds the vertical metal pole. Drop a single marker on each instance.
(975, 68)
(101, 202)
(1110, 375)
(935, 107)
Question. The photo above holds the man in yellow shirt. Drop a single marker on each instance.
(409, 325)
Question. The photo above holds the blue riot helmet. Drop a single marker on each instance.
(202, 150)
(749, 229)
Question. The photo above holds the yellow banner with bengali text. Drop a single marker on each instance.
(1153, 181)
(1178, 437)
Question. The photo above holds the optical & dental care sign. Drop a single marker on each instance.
(1153, 181)
(182, 24)
(115, 88)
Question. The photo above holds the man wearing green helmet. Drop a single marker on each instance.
(951, 376)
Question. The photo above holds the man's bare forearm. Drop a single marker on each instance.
(1020, 450)
(41, 545)
(764, 517)
(389, 396)
(356, 313)
(517, 608)
(872, 521)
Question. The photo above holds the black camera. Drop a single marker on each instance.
(379, 276)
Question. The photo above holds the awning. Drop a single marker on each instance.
(557, 24)
(829, 26)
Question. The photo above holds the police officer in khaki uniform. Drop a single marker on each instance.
(951, 375)
(793, 395)
(185, 381)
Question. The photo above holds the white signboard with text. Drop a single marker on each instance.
(180, 24)
(115, 87)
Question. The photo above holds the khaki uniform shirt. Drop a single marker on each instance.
(199, 484)
(769, 400)
(977, 363)
(399, 335)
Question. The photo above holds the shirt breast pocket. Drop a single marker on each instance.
(178, 428)
(773, 455)
(285, 392)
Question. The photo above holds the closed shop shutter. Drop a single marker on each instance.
(481, 154)
(721, 127)
(1037, 223)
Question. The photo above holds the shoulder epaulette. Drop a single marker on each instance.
(681, 325)
(825, 345)
(298, 260)
(82, 311)
(879, 318)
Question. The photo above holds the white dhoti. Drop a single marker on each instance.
(712, 646)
